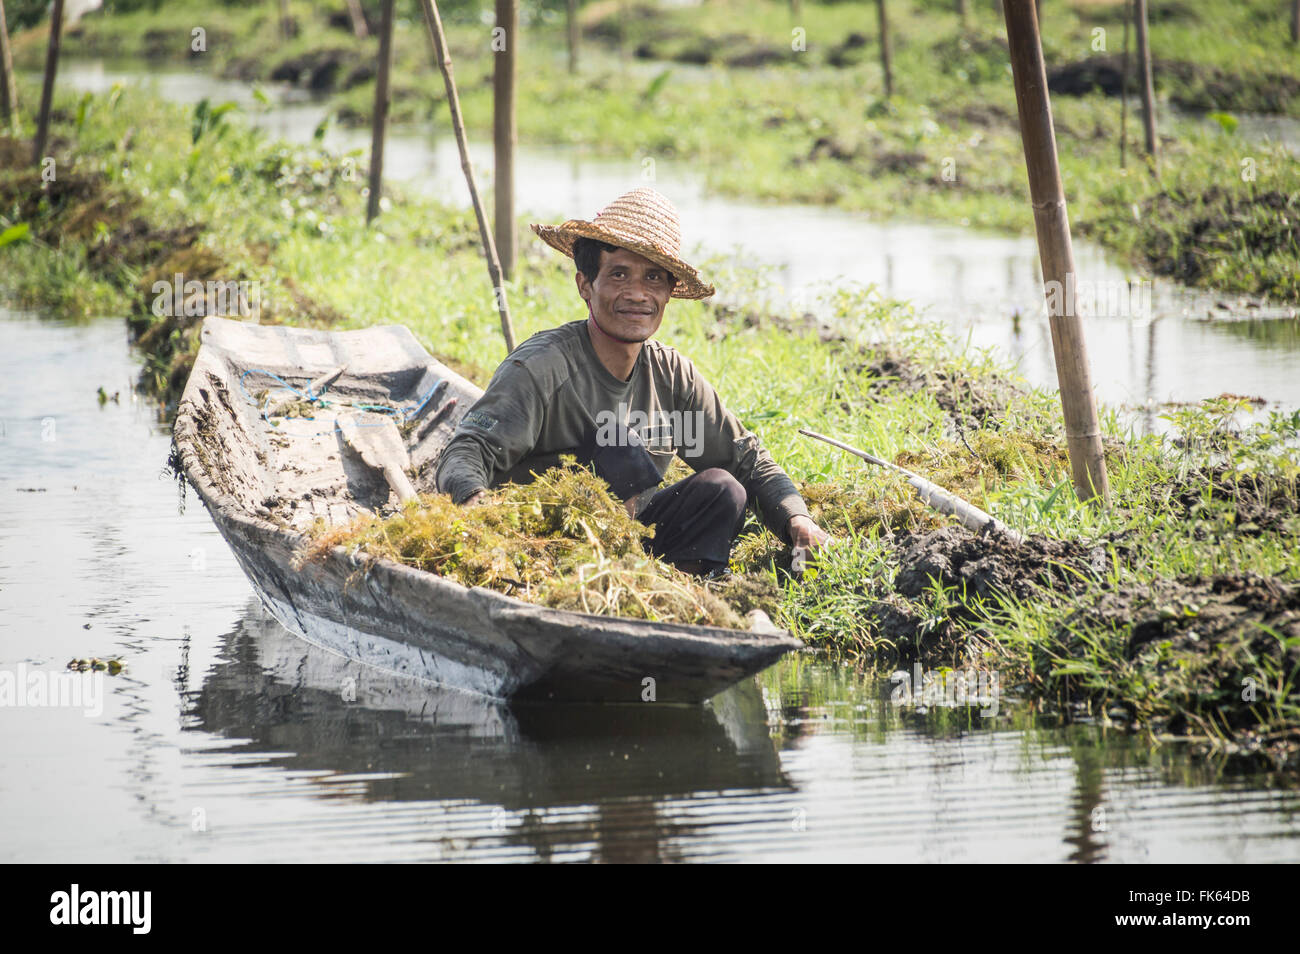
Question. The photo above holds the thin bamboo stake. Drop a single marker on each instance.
(1148, 85)
(379, 123)
(1056, 252)
(503, 134)
(1123, 105)
(572, 7)
(1295, 21)
(358, 19)
(885, 64)
(286, 20)
(963, 11)
(8, 87)
(439, 42)
(47, 87)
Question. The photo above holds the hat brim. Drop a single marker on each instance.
(561, 238)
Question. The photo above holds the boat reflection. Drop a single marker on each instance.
(317, 714)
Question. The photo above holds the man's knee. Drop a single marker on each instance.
(728, 490)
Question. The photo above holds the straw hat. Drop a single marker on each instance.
(641, 221)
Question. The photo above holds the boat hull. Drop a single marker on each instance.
(413, 622)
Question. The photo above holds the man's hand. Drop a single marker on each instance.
(805, 536)
(477, 498)
(805, 533)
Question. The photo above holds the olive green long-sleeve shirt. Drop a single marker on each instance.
(553, 392)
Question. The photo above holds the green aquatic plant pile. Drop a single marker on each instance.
(561, 541)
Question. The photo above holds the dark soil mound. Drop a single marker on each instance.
(1192, 85)
(1198, 613)
(1257, 504)
(1102, 73)
(983, 115)
(1227, 219)
(317, 70)
(968, 402)
(989, 564)
(848, 53)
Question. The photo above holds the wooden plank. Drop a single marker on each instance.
(377, 441)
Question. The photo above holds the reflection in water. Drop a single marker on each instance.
(404, 740)
(1277, 334)
(819, 764)
(1090, 813)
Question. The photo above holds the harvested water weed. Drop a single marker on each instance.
(561, 541)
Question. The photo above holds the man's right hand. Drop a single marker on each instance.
(477, 498)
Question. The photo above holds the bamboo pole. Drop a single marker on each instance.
(1148, 85)
(286, 21)
(358, 19)
(963, 11)
(572, 7)
(1295, 21)
(1123, 103)
(1055, 251)
(503, 134)
(8, 86)
(47, 87)
(885, 65)
(439, 43)
(379, 123)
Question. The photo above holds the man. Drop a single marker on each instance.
(601, 389)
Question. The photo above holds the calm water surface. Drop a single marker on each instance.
(227, 739)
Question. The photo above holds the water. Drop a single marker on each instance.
(225, 738)
(1176, 345)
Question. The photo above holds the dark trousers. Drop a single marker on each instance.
(697, 519)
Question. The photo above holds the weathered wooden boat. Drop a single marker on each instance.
(266, 480)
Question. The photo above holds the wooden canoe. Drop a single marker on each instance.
(266, 480)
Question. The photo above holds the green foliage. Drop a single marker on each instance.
(1215, 500)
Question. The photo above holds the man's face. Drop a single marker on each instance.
(629, 294)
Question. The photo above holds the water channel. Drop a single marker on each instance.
(227, 739)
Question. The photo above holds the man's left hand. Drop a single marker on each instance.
(805, 535)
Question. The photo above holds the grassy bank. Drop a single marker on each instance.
(720, 88)
(1175, 612)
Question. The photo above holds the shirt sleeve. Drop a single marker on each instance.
(727, 444)
(501, 427)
